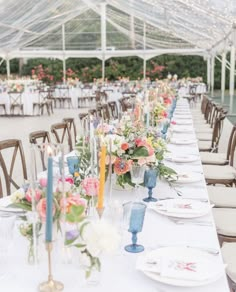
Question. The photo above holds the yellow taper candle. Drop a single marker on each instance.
(102, 177)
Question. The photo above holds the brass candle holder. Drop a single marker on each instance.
(100, 212)
(50, 285)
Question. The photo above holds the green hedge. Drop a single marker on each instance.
(87, 69)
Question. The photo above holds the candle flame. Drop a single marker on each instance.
(49, 149)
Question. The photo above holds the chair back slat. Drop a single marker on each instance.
(40, 137)
(72, 126)
(232, 146)
(60, 132)
(17, 148)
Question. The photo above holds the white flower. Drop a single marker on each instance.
(67, 186)
(113, 141)
(101, 237)
(17, 196)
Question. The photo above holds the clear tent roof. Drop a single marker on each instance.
(34, 28)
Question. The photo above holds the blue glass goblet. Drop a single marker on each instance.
(150, 181)
(134, 213)
(73, 164)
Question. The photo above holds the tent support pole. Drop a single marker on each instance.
(212, 75)
(103, 38)
(223, 64)
(209, 73)
(63, 49)
(144, 53)
(8, 68)
(232, 70)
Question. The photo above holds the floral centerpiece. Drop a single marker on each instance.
(69, 209)
(130, 143)
(16, 87)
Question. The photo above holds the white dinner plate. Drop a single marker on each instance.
(182, 129)
(183, 141)
(183, 116)
(182, 158)
(182, 112)
(183, 122)
(206, 268)
(188, 178)
(181, 208)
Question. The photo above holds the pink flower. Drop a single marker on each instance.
(143, 143)
(43, 182)
(91, 186)
(68, 179)
(67, 203)
(138, 142)
(173, 123)
(28, 195)
(41, 208)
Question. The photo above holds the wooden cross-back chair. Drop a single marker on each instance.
(44, 101)
(40, 137)
(223, 174)
(103, 112)
(61, 132)
(72, 127)
(204, 103)
(65, 96)
(113, 109)
(8, 163)
(212, 145)
(221, 158)
(16, 102)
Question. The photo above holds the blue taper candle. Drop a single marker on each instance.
(49, 200)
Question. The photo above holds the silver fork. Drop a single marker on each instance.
(182, 222)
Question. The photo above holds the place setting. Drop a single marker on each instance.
(181, 208)
(184, 158)
(180, 266)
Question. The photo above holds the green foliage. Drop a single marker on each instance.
(89, 68)
(140, 152)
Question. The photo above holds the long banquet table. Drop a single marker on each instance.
(119, 271)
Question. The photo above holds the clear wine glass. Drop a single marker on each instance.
(133, 214)
(137, 176)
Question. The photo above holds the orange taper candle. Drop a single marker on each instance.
(102, 177)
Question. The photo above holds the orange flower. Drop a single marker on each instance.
(122, 166)
(124, 146)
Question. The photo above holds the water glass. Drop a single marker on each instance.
(150, 181)
(137, 174)
(134, 213)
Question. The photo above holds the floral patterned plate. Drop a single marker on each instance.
(181, 266)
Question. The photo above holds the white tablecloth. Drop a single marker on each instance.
(119, 272)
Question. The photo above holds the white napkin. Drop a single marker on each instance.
(175, 268)
(183, 141)
(171, 206)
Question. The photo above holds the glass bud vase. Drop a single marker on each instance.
(150, 181)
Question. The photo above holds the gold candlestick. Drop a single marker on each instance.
(50, 285)
(100, 212)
